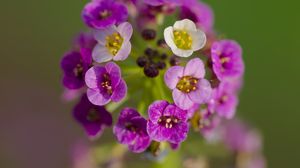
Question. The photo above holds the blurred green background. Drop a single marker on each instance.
(37, 129)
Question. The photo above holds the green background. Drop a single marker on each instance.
(37, 129)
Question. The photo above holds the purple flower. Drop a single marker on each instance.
(92, 118)
(198, 12)
(239, 137)
(105, 84)
(188, 84)
(85, 40)
(100, 14)
(163, 2)
(227, 59)
(74, 65)
(131, 130)
(167, 122)
(224, 100)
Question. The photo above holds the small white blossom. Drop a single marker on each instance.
(184, 38)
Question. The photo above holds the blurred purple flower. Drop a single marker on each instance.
(113, 43)
(167, 122)
(92, 118)
(105, 84)
(224, 100)
(74, 65)
(131, 130)
(227, 59)
(163, 2)
(188, 84)
(100, 14)
(198, 12)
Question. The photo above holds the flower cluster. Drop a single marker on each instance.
(174, 77)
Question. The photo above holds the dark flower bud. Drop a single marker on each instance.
(161, 43)
(174, 61)
(142, 61)
(163, 56)
(161, 65)
(151, 71)
(149, 34)
(150, 52)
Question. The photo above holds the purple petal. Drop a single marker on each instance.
(172, 110)
(194, 68)
(92, 76)
(119, 92)
(182, 100)
(179, 133)
(93, 130)
(140, 144)
(156, 109)
(157, 132)
(203, 92)
(97, 98)
(173, 75)
(114, 72)
(123, 135)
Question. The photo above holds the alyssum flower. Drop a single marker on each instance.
(99, 14)
(188, 84)
(105, 84)
(113, 43)
(163, 2)
(227, 62)
(167, 122)
(184, 38)
(131, 130)
(92, 118)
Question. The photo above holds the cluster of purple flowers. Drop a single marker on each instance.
(202, 73)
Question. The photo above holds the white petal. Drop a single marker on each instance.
(123, 52)
(100, 35)
(101, 54)
(182, 53)
(199, 39)
(185, 24)
(125, 30)
(169, 37)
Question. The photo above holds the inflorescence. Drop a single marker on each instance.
(188, 76)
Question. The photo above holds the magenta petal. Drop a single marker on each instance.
(203, 92)
(173, 75)
(194, 68)
(114, 73)
(172, 110)
(140, 144)
(91, 76)
(156, 110)
(97, 98)
(93, 130)
(182, 100)
(157, 132)
(119, 92)
(179, 133)
(124, 136)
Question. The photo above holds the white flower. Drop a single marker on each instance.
(113, 43)
(184, 38)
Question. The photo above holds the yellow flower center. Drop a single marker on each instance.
(114, 43)
(104, 14)
(182, 39)
(187, 84)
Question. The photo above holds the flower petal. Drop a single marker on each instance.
(182, 53)
(125, 30)
(119, 92)
(101, 54)
(199, 40)
(182, 100)
(124, 52)
(179, 133)
(97, 98)
(194, 68)
(140, 144)
(114, 72)
(185, 24)
(91, 76)
(156, 109)
(173, 75)
(169, 37)
(203, 92)
(158, 132)
(100, 35)
(172, 110)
